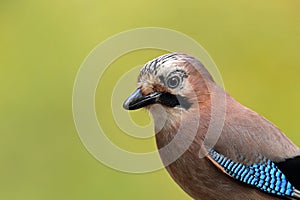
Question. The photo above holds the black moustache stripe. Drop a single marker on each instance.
(172, 100)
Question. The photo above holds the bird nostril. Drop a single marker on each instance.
(137, 100)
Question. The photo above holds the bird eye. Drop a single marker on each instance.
(173, 82)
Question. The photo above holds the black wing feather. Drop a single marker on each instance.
(291, 169)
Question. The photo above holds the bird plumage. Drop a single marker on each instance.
(252, 158)
(264, 175)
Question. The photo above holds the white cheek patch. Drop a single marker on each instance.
(160, 117)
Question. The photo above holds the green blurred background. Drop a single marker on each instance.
(42, 44)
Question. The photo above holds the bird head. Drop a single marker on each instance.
(174, 83)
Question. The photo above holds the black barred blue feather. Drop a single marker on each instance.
(265, 176)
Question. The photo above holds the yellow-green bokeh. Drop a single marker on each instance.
(254, 43)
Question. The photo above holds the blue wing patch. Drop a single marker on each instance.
(265, 176)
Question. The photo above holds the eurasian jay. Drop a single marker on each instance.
(251, 159)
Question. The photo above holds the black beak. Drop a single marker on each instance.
(137, 100)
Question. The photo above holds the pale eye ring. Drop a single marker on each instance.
(173, 82)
